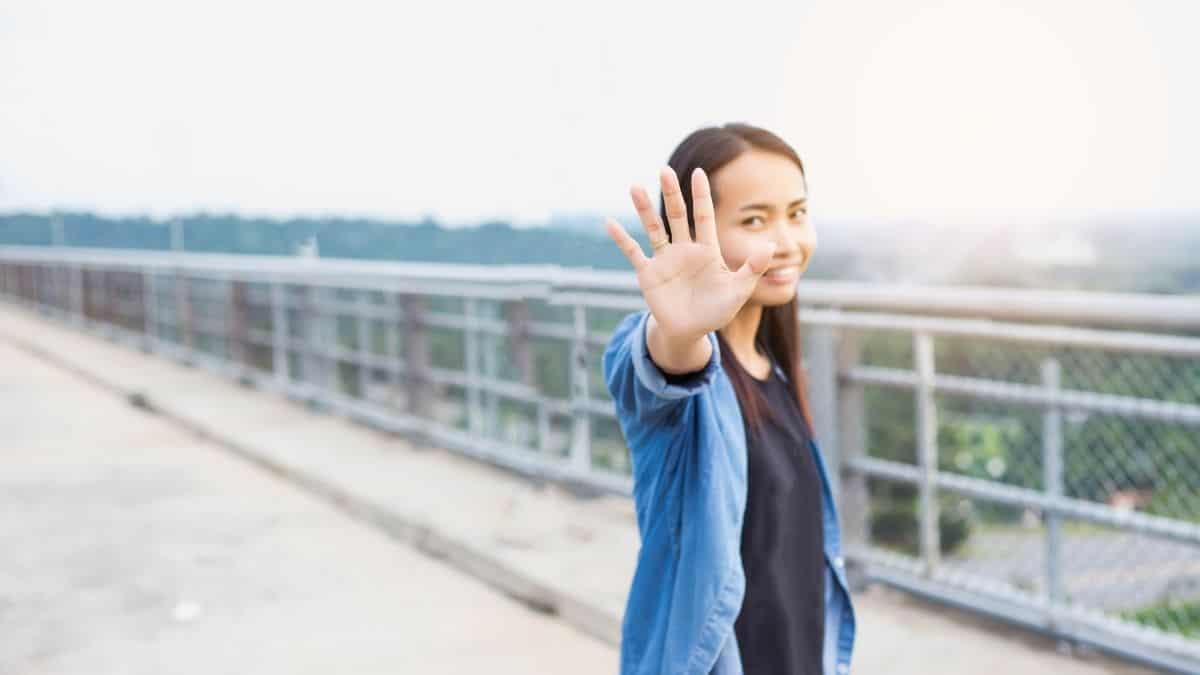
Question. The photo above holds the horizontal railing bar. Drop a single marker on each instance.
(1086, 307)
(1101, 514)
(1028, 394)
(1146, 310)
(1071, 306)
(1108, 340)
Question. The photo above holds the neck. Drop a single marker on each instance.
(740, 331)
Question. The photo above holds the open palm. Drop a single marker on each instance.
(686, 284)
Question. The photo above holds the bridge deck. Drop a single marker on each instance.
(143, 548)
(132, 546)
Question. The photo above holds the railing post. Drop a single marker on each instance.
(820, 360)
(40, 288)
(1052, 470)
(581, 436)
(488, 344)
(149, 310)
(855, 502)
(62, 290)
(519, 317)
(420, 391)
(112, 308)
(471, 356)
(391, 348)
(279, 335)
(927, 452)
(238, 330)
(77, 295)
(316, 354)
(87, 297)
(183, 314)
(25, 286)
(61, 286)
(362, 304)
(116, 307)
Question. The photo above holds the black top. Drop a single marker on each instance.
(781, 626)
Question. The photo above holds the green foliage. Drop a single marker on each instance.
(894, 524)
(1175, 616)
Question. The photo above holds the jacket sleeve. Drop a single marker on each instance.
(638, 387)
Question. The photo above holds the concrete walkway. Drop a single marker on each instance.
(131, 546)
(569, 557)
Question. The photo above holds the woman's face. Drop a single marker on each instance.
(761, 197)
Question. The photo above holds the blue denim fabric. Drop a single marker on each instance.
(688, 448)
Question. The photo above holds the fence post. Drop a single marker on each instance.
(318, 361)
(581, 453)
(279, 335)
(41, 288)
(392, 352)
(77, 296)
(150, 309)
(471, 356)
(183, 314)
(238, 331)
(855, 502)
(1052, 470)
(362, 298)
(489, 344)
(820, 357)
(927, 452)
(420, 391)
(108, 295)
(519, 317)
(87, 298)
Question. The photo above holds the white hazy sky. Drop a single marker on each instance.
(969, 111)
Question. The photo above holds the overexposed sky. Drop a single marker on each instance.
(967, 111)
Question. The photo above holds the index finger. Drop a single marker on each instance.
(675, 206)
(649, 218)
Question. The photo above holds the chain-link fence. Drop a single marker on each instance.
(1048, 474)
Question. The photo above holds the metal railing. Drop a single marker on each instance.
(1031, 455)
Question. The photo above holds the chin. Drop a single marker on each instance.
(773, 296)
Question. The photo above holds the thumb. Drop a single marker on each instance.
(756, 263)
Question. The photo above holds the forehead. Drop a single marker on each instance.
(758, 176)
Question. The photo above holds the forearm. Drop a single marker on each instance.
(676, 355)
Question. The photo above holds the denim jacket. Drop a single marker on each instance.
(688, 448)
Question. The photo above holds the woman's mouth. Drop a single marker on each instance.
(786, 274)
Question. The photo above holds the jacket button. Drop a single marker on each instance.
(843, 668)
(838, 562)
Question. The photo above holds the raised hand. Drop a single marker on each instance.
(686, 284)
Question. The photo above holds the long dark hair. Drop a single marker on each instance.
(711, 148)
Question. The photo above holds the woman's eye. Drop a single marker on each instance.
(751, 219)
(800, 213)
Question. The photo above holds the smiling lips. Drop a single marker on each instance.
(782, 274)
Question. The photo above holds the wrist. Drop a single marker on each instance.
(677, 354)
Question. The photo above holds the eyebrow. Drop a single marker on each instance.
(767, 207)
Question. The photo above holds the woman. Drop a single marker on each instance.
(740, 569)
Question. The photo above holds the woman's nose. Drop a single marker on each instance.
(787, 240)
